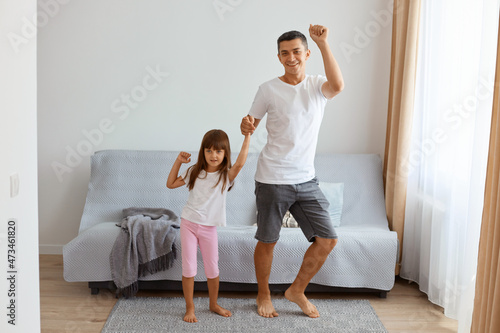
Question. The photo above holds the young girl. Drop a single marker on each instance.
(208, 181)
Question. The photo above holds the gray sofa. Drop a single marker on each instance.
(363, 260)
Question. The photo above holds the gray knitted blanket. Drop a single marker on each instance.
(144, 246)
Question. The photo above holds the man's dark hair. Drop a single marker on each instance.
(291, 35)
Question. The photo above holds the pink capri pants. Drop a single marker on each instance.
(192, 235)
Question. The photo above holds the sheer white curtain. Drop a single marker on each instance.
(447, 163)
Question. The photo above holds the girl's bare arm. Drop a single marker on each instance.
(174, 180)
(240, 161)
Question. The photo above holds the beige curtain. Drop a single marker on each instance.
(486, 315)
(405, 28)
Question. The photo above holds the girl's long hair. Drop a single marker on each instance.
(217, 140)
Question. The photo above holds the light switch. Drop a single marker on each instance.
(14, 185)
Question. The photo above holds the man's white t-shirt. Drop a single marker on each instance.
(294, 115)
(206, 204)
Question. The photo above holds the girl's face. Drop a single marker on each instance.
(214, 158)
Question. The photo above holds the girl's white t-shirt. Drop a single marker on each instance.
(294, 115)
(206, 203)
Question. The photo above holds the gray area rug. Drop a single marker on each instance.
(155, 314)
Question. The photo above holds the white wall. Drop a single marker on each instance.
(19, 286)
(96, 90)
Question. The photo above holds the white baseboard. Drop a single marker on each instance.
(50, 249)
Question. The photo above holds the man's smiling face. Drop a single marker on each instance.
(293, 56)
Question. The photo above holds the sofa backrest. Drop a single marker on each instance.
(364, 202)
(129, 178)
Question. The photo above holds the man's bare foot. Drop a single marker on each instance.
(220, 310)
(189, 317)
(265, 307)
(301, 300)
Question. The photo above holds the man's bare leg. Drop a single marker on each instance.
(263, 259)
(314, 258)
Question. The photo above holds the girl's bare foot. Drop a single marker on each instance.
(220, 310)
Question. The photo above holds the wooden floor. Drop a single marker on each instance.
(69, 307)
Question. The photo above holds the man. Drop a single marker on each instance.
(285, 177)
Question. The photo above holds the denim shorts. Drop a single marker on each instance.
(305, 201)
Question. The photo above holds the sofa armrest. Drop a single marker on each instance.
(88, 253)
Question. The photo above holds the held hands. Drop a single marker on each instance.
(247, 125)
(184, 157)
(318, 33)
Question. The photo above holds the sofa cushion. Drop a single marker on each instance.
(363, 199)
(289, 221)
(364, 257)
(334, 193)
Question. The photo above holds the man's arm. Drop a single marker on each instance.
(335, 81)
